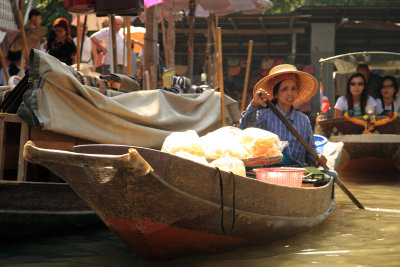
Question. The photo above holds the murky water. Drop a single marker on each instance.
(349, 237)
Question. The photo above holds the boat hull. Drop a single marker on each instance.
(382, 145)
(182, 207)
(342, 126)
(29, 209)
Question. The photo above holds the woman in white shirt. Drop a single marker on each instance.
(388, 101)
(356, 99)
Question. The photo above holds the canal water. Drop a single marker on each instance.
(349, 237)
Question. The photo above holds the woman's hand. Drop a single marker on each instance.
(260, 98)
(321, 160)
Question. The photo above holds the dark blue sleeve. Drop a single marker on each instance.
(249, 117)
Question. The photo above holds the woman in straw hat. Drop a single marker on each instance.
(286, 87)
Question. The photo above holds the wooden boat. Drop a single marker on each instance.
(84, 116)
(383, 146)
(33, 201)
(342, 126)
(164, 206)
(32, 209)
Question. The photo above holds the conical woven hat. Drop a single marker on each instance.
(33, 35)
(306, 83)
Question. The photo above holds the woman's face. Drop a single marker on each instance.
(60, 32)
(387, 89)
(356, 86)
(287, 92)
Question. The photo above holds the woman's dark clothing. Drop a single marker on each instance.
(63, 50)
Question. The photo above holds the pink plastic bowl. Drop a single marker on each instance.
(282, 175)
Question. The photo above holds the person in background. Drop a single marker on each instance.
(13, 68)
(373, 80)
(88, 52)
(356, 99)
(286, 87)
(60, 44)
(35, 20)
(100, 55)
(388, 101)
(102, 41)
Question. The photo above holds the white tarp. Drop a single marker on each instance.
(58, 102)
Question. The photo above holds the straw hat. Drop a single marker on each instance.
(306, 83)
(33, 35)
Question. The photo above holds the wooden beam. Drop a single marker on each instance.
(248, 31)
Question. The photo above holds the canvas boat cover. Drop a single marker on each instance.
(347, 63)
(58, 102)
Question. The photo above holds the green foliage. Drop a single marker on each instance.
(284, 6)
(51, 10)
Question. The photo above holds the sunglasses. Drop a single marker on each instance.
(359, 84)
(388, 86)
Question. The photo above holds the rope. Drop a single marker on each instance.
(222, 202)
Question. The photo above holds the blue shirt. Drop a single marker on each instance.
(267, 120)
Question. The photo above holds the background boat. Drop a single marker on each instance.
(383, 147)
(33, 201)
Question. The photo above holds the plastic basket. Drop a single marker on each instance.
(320, 141)
(287, 176)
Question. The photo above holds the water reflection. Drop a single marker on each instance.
(350, 237)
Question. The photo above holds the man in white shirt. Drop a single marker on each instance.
(102, 40)
(89, 51)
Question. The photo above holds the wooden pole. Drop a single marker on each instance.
(164, 37)
(114, 44)
(221, 77)
(4, 65)
(78, 42)
(192, 8)
(207, 52)
(124, 47)
(21, 25)
(129, 45)
(171, 41)
(312, 152)
(246, 77)
(150, 45)
(214, 70)
(83, 34)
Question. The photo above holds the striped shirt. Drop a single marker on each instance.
(267, 120)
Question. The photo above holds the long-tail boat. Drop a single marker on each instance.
(164, 206)
(369, 140)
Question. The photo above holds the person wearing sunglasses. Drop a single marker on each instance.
(356, 99)
(388, 101)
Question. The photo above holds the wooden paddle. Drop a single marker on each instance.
(311, 151)
(246, 77)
